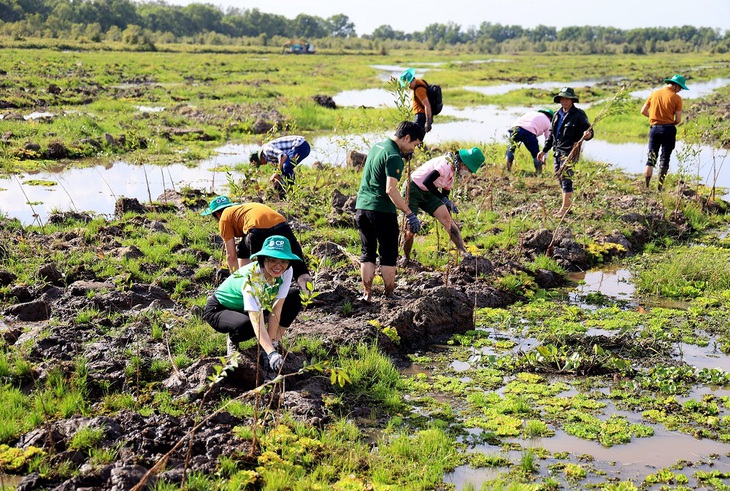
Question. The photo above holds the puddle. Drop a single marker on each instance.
(611, 282)
(696, 90)
(38, 115)
(96, 189)
(505, 88)
(150, 109)
(703, 357)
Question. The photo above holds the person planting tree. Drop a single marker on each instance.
(251, 302)
(526, 129)
(569, 128)
(429, 189)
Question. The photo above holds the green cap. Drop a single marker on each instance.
(277, 246)
(677, 79)
(217, 204)
(407, 76)
(473, 158)
(566, 92)
(548, 112)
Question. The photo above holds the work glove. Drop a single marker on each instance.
(414, 225)
(449, 205)
(275, 361)
(427, 128)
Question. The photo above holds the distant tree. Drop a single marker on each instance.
(10, 11)
(309, 26)
(341, 27)
(383, 32)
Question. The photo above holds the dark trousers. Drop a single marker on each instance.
(664, 137)
(566, 179)
(238, 324)
(519, 134)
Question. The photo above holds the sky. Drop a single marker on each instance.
(404, 15)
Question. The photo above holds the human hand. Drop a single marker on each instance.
(427, 128)
(275, 361)
(449, 205)
(414, 225)
(541, 157)
(220, 275)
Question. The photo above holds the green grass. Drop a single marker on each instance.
(686, 272)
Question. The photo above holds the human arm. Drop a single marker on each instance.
(422, 95)
(302, 281)
(645, 109)
(678, 117)
(391, 189)
(429, 182)
(231, 258)
(261, 332)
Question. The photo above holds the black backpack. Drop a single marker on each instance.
(434, 98)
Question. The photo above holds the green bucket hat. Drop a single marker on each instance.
(566, 92)
(677, 79)
(473, 158)
(548, 112)
(407, 76)
(277, 246)
(217, 204)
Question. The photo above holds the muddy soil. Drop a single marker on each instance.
(433, 305)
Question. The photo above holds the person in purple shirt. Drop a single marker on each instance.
(526, 129)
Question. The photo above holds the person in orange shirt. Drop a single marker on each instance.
(253, 223)
(664, 110)
(420, 104)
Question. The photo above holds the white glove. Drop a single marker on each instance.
(275, 361)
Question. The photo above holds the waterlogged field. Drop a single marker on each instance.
(612, 395)
(62, 108)
(554, 389)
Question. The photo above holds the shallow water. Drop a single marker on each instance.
(96, 189)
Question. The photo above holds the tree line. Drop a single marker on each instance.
(154, 22)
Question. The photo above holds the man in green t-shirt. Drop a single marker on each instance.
(378, 200)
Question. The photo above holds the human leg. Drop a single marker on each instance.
(388, 274)
(237, 325)
(511, 148)
(566, 185)
(368, 244)
(388, 248)
(655, 139)
(532, 146)
(668, 142)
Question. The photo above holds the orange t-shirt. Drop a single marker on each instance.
(663, 103)
(418, 93)
(237, 220)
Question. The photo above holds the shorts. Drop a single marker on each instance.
(418, 199)
(378, 236)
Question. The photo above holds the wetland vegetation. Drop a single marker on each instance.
(484, 376)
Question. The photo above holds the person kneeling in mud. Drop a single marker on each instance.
(429, 189)
(255, 293)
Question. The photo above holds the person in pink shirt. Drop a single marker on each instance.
(526, 129)
(429, 189)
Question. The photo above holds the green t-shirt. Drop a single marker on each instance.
(384, 160)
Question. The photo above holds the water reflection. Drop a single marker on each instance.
(96, 189)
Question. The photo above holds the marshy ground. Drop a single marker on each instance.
(486, 374)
